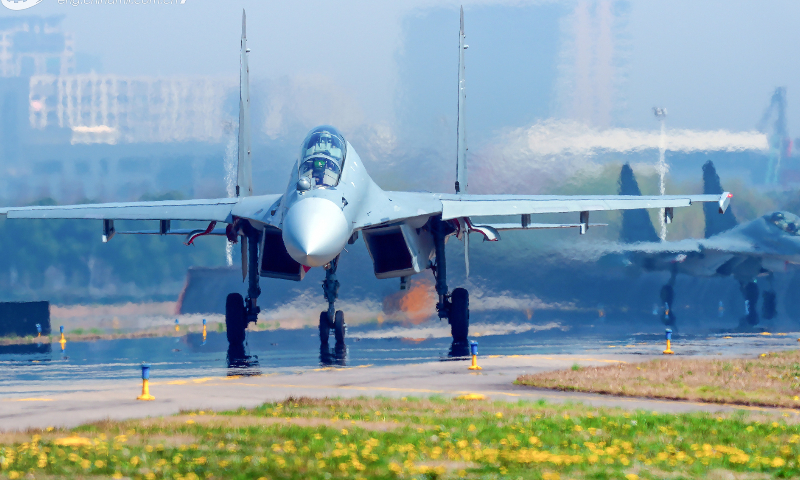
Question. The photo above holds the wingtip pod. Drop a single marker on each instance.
(724, 201)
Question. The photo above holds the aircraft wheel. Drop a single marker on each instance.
(339, 327)
(234, 318)
(769, 308)
(459, 315)
(324, 327)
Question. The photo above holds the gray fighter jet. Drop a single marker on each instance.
(329, 200)
(746, 252)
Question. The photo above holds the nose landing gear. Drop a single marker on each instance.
(331, 319)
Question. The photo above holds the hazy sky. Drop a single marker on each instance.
(713, 64)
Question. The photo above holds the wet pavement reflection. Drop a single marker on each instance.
(292, 351)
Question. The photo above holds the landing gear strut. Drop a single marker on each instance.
(332, 318)
(667, 299)
(750, 292)
(769, 305)
(455, 306)
(240, 312)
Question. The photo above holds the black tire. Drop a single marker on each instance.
(234, 318)
(769, 307)
(339, 327)
(324, 328)
(459, 315)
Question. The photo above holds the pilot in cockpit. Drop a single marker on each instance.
(322, 155)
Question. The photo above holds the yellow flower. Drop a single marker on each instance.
(344, 431)
(778, 462)
(117, 475)
(578, 428)
(200, 460)
(85, 464)
(13, 475)
(135, 461)
(499, 414)
(99, 463)
(73, 442)
(472, 428)
(632, 476)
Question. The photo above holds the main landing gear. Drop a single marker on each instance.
(667, 299)
(455, 306)
(331, 319)
(240, 312)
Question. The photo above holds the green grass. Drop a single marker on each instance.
(413, 438)
(771, 379)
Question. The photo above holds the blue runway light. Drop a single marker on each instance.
(669, 351)
(473, 347)
(145, 383)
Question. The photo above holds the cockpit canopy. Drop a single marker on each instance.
(788, 222)
(322, 156)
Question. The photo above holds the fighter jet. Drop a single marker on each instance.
(330, 200)
(747, 252)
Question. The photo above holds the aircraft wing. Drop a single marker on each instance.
(458, 206)
(205, 210)
(403, 205)
(209, 210)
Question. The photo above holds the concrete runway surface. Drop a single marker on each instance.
(34, 405)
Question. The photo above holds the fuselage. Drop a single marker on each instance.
(317, 223)
(759, 247)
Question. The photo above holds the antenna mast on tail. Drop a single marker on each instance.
(244, 178)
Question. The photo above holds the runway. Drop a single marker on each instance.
(100, 380)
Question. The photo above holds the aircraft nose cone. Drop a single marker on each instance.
(314, 231)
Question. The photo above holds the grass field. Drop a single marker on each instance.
(412, 438)
(771, 380)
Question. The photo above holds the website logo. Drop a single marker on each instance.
(19, 4)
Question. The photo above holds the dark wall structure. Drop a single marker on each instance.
(20, 318)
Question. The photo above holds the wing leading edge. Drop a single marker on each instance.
(451, 206)
(208, 210)
(458, 206)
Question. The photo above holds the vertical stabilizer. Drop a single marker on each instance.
(461, 131)
(244, 177)
(715, 223)
(461, 142)
(636, 224)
